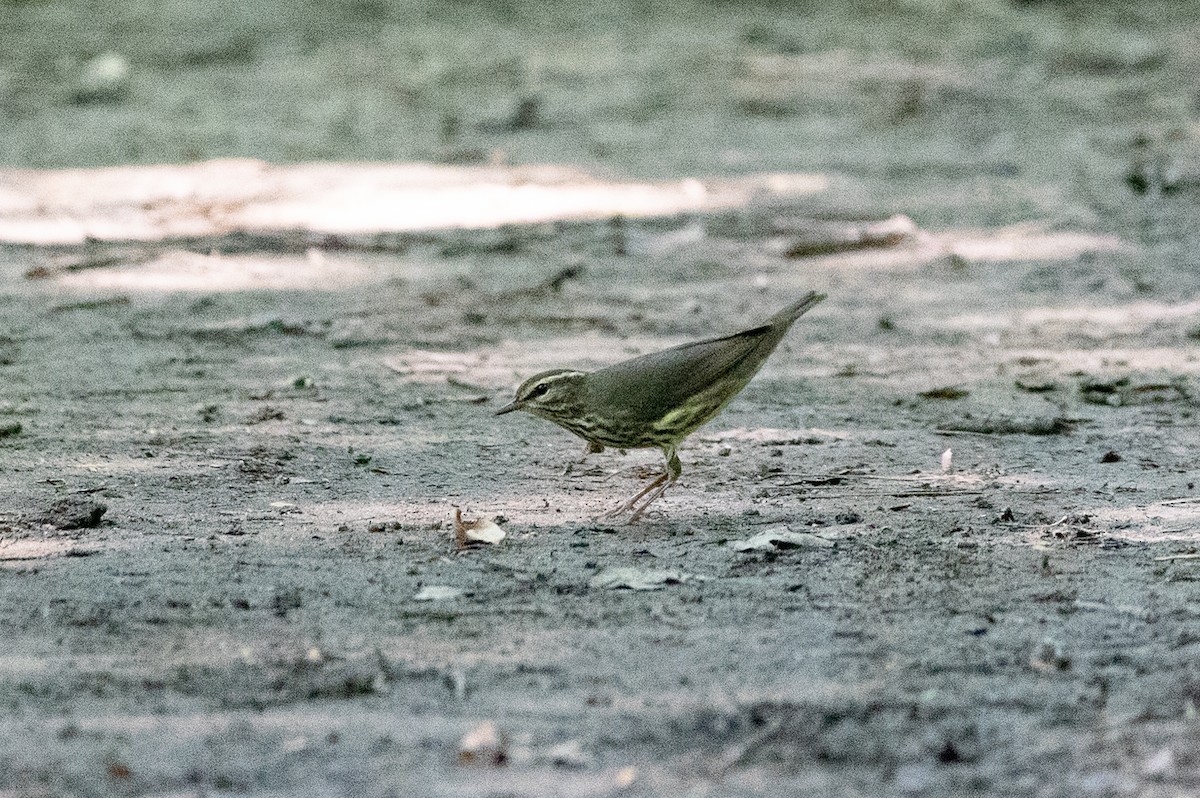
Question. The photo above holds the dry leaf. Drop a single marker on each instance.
(779, 538)
(481, 530)
(483, 745)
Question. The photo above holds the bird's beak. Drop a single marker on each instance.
(508, 408)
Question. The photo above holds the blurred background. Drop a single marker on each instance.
(1025, 107)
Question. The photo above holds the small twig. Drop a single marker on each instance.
(737, 754)
(470, 386)
(1177, 557)
(967, 432)
(810, 479)
(91, 304)
(550, 286)
(858, 494)
(95, 489)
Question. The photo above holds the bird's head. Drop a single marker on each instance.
(553, 394)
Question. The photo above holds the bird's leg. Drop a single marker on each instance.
(592, 448)
(674, 469)
(651, 492)
(626, 506)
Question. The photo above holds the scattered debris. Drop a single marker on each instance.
(1155, 168)
(1036, 384)
(1104, 392)
(1122, 391)
(947, 392)
(815, 237)
(780, 538)
(1048, 657)
(93, 256)
(639, 578)
(74, 512)
(119, 771)
(551, 286)
(91, 304)
(286, 599)
(456, 679)
(467, 533)
(739, 753)
(266, 413)
(923, 484)
(947, 460)
(821, 479)
(438, 593)
(483, 746)
(1076, 529)
(949, 754)
(1009, 426)
(481, 393)
(567, 754)
(526, 114)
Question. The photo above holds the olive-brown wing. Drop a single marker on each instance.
(646, 388)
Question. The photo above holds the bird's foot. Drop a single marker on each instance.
(637, 504)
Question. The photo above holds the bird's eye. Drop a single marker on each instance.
(538, 390)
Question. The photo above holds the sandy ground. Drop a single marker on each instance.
(231, 452)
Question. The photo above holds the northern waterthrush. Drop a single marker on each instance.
(656, 400)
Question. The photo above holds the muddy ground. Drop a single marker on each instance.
(230, 463)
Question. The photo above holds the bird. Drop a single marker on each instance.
(655, 400)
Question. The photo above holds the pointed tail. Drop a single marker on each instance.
(796, 310)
